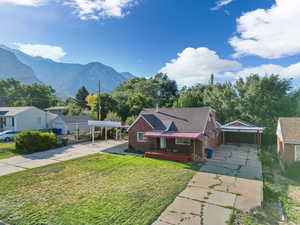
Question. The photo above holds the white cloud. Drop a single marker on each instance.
(221, 3)
(292, 71)
(195, 65)
(272, 33)
(45, 51)
(24, 2)
(99, 9)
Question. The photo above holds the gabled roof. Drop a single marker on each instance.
(12, 111)
(241, 126)
(179, 119)
(290, 129)
(240, 122)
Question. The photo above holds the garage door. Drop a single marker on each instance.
(240, 138)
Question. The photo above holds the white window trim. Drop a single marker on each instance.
(138, 137)
(180, 143)
(296, 153)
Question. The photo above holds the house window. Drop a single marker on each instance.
(182, 141)
(141, 137)
(297, 153)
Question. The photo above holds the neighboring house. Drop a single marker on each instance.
(288, 139)
(71, 124)
(23, 118)
(59, 110)
(179, 130)
(32, 118)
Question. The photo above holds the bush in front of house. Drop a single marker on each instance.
(35, 141)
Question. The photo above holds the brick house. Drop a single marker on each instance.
(177, 130)
(288, 139)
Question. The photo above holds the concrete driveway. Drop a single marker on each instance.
(19, 163)
(231, 179)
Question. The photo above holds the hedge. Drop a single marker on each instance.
(34, 141)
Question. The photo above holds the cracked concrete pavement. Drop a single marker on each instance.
(231, 179)
(23, 162)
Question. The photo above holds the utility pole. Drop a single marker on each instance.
(98, 101)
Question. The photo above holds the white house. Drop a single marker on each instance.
(32, 118)
(23, 118)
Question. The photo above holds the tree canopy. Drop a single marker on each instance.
(14, 93)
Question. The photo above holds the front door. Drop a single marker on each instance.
(163, 143)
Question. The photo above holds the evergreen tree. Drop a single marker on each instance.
(81, 95)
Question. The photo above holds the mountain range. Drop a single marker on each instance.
(65, 78)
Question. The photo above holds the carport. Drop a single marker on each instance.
(105, 124)
(241, 132)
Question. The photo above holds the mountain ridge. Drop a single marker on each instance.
(12, 67)
(67, 78)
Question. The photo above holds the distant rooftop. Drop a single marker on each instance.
(57, 108)
(12, 111)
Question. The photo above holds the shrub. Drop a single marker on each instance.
(34, 141)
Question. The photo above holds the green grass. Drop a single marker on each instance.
(293, 171)
(7, 150)
(98, 189)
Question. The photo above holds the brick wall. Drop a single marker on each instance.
(140, 126)
(288, 153)
(213, 136)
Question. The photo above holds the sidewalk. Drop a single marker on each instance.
(232, 179)
(19, 163)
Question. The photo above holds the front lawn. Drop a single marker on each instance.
(98, 189)
(7, 150)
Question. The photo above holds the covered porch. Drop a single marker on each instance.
(177, 146)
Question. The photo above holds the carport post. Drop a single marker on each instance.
(93, 134)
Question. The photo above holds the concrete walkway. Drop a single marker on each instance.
(232, 179)
(19, 163)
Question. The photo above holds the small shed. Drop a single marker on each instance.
(241, 132)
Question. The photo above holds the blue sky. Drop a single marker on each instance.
(187, 39)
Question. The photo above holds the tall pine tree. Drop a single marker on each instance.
(81, 95)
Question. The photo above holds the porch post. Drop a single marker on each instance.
(105, 133)
(257, 139)
(223, 138)
(194, 150)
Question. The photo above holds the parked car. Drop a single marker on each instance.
(8, 135)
